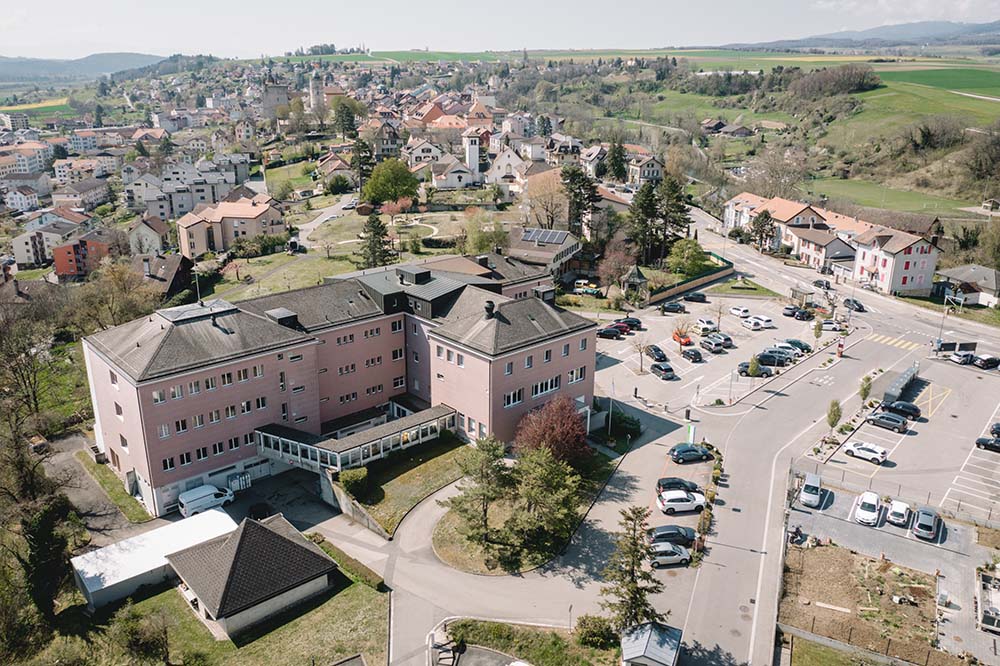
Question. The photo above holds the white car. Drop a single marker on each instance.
(791, 349)
(672, 501)
(751, 324)
(740, 312)
(869, 509)
(706, 324)
(765, 322)
(665, 554)
(873, 452)
(898, 513)
(830, 325)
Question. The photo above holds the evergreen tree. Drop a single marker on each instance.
(642, 219)
(617, 168)
(487, 479)
(545, 507)
(630, 581)
(374, 250)
(140, 149)
(581, 195)
(762, 230)
(671, 209)
(344, 121)
(362, 161)
(544, 126)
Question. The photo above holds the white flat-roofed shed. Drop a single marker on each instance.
(117, 571)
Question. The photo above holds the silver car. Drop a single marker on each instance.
(665, 554)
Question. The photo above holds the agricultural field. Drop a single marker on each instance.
(704, 106)
(976, 81)
(874, 195)
(50, 107)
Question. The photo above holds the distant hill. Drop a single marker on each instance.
(89, 67)
(902, 34)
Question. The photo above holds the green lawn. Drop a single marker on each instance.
(739, 287)
(983, 315)
(64, 392)
(585, 303)
(301, 271)
(536, 645)
(114, 489)
(33, 273)
(807, 653)
(401, 481)
(290, 172)
(873, 195)
(978, 81)
(704, 106)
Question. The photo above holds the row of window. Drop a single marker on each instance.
(470, 426)
(214, 416)
(201, 453)
(529, 360)
(194, 387)
(516, 397)
(451, 356)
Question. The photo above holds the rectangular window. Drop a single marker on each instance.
(472, 425)
(168, 464)
(248, 440)
(243, 374)
(548, 356)
(281, 381)
(199, 420)
(201, 452)
(218, 449)
(181, 425)
(214, 416)
(210, 383)
(906, 266)
(245, 407)
(416, 357)
(482, 430)
(577, 375)
(545, 386)
(440, 351)
(904, 279)
(397, 354)
(298, 389)
(258, 371)
(231, 412)
(566, 349)
(461, 421)
(119, 412)
(513, 398)
(398, 382)
(295, 358)
(113, 377)
(396, 326)
(583, 344)
(163, 430)
(159, 396)
(262, 402)
(301, 419)
(284, 411)
(227, 379)
(185, 458)
(123, 442)
(460, 360)
(508, 369)
(176, 392)
(194, 388)
(529, 361)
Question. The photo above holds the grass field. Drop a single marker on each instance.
(807, 653)
(24, 108)
(280, 272)
(704, 106)
(114, 489)
(979, 81)
(291, 172)
(536, 645)
(873, 195)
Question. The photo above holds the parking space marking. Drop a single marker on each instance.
(967, 473)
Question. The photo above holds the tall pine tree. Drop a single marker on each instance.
(617, 167)
(630, 582)
(581, 195)
(374, 250)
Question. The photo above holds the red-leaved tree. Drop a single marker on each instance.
(558, 426)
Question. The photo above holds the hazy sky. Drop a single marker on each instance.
(246, 28)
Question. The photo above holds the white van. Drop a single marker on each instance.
(765, 322)
(203, 498)
(812, 491)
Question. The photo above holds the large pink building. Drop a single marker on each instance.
(330, 376)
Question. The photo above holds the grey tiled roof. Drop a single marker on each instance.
(257, 561)
(324, 305)
(985, 279)
(652, 642)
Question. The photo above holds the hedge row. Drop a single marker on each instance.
(352, 567)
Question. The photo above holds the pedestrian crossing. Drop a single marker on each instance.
(893, 341)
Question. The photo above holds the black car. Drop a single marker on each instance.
(854, 304)
(991, 443)
(673, 306)
(692, 355)
(633, 323)
(887, 421)
(902, 408)
(986, 362)
(790, 310)
(804, 315)
(675, 483)
(822, 284)
(655, 353)
(762, 371)
(687, 452)
(772, 360)
(663, 370)
(682, 536)
(696, 297)
(798, 344)
(260, 511)
(610, 334)
(995, 429)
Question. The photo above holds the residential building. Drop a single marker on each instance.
(384, 140)
(39, 181)
(39, 218)
(81, 141)
(167, 275)
(895, 262)
(591, 157)
(213, 228)
(86, 194)
(817, 248)
(503, 168)
(148, 235)
(562, 149)
(548, 249)
(972, 284)
(77, 169)
(14, 121)
(417, 151)
(81, 256)
(642, 170)
(34, 248)
(22, 198)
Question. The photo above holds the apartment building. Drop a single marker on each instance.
(34, 247)
(81, 256)
(80, 141)
(214, 228)
(22, 198)
(14, 121)
(87, 194)
(329, 376)
(895, 262)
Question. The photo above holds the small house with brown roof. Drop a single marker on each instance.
(148, 234)
(895, 262)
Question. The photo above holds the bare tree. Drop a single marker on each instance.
(682, 329)
(777, 173)
(639, 344)
(547, 201)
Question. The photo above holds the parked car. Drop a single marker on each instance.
(675, 483)
(665, 554)
(790, 310)
(696, 297)
(926, 523)
(779, 351)
(682, 536)
(675, 307)
(822, 284)
(610, 334)
(991, 443)
(726, 341)
(898, 513)
(624, 328)
(632, 322)
(831, 325)
(812, 491)
(692, 355)
(798, 344)
(587, 291)
(350, 205)
(744, 370)
(203, 498)
(707, 324)
(672, 501)
(871, 452)
(688, 452)
(772, 360)
(792, 349)
(869, 509)
(995, 429)
(712, 345)
(986, 362)
(962, 357)
(738, 311)
(902, 408)
(887, 421)
(682, 338)
(751, 324)
(765, 322)
(655, 353)
(663, 370)
(804, 315)
(854, 304)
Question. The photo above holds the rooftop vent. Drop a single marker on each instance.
(489, 307)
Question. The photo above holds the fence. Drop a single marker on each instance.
(724, 269)
(870, 645)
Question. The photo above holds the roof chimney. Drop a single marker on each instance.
(145, 266)
(490, 306)
(483, 260)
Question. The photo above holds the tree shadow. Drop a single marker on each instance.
(694, 652)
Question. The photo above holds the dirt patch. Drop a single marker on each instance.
(836, 593)
(987, 536)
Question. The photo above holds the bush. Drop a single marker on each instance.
(355, 482)
(623, 424)
(595, 631)
(339, 184)
(438, 243)
(350, 566)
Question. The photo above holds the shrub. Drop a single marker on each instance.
(705, 521)
(339, 184)
(355, 482)
(595, 631)
(350, 566)
(623, 424)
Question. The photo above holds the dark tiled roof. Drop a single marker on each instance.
(321, 306)
(985, 279)
(256, 562)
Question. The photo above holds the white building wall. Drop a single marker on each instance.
(237, 623)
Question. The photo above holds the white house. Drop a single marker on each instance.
(504, 167)
(642, 170)
(418, 151)
(894, 261)
(974, 284)
(818, 247)
(23, 198)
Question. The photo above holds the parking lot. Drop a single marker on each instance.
(712, 379)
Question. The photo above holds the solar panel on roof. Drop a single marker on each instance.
(529, 235)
